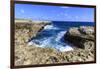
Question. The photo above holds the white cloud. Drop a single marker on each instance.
(65, 7)
(22, 11)
(76, 17)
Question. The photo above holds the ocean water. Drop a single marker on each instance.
(52, 35)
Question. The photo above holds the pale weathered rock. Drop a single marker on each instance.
(87, 30)
(82, 37)
(30, 55)
(74, 31)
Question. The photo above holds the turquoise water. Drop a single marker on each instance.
(52, 35)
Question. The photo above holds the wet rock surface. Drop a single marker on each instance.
(82, 37)
(30, 55)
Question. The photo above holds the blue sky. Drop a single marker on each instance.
(54, 13)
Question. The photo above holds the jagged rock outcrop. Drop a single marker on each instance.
(29, 28)
(31, 55)
(83, 37)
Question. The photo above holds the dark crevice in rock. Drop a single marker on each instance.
(82, 37)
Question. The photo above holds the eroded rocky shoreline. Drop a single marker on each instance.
(29, 55)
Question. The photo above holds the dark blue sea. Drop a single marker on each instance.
(52, 35)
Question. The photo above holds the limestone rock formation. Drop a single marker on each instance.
(29, 28)
(83, 36)
(30, 55)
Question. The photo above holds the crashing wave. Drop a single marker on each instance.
(60, 35)
(50, 27)
(52, 37)
(51, 42)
